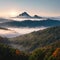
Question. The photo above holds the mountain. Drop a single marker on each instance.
(32, 24)
(36, 16)
(24, 15)
(38, 39)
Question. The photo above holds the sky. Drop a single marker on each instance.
(11, 8)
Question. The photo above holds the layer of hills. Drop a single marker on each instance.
(47, 22)
(8, 23)
(30, 23)
(45, 45)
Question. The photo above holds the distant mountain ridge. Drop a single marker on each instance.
(32, 24)
(26, 15)
(36, 16)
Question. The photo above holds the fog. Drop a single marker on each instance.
(13, 32)
(22, 19)
(26, 30)
(8, 33)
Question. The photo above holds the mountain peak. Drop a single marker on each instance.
(24, 14)
(36, 16)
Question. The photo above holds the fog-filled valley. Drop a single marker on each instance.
(16, 28)
(29, 29)
(30, 46)
(23, 39)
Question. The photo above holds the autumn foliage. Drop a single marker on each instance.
(56, 54)
(17, 52)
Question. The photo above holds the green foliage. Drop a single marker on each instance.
(43, 54)
(51, 58)
(37, 54)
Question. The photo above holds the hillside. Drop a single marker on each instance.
(44, 44)
(47, 53)
(38, 39)
(4, 40)
(8, 53)
(51, 52)
(1, 28)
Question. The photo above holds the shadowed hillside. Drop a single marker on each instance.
(8, 53)
(38, 39)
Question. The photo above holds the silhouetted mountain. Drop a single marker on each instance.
(24, 15)
(30, 23)
(36, 16)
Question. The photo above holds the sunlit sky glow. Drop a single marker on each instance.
(10, 8)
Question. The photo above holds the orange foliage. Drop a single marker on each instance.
(17, 52)
(56, 53)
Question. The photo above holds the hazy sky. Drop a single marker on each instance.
(39, 7)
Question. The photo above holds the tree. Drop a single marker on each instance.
(56, 54)
(51, 58)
